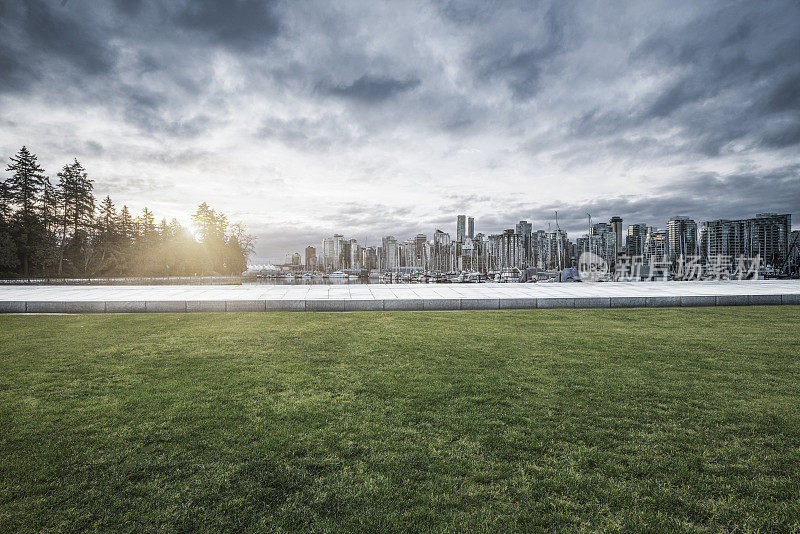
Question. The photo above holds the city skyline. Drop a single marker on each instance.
(305, 119)
(765, 239)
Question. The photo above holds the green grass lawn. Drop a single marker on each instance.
(676, 419)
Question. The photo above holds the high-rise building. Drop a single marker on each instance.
(327, 254)
(539, 249)
(682, 236)
(442, 253)
(390, 260)
(338, 252)
(524, 229)
(461, 228)
(420, 252)
(558, 250)
(311, 258)
(766, 235)
(511, 249)
(471, 227)
(603, 241)
(635, 239)
(616, 227)
(656, 247)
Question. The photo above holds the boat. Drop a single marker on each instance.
(338, 274)
(510, 275)
(474, 278)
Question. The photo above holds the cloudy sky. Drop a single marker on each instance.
(367, 118)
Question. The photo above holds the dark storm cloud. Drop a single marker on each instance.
(240, 24)
(518, 60)
(462, 97)
(370, 89)
(37, 37)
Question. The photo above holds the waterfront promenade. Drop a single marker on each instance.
(378, 297)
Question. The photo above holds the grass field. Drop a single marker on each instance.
(676, 419)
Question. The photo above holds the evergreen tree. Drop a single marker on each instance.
(26, 184)
(77, 210)
(108, 216)
(24, 189)
(147, 227)
(125, 225)
(8, 249)
(46, 254)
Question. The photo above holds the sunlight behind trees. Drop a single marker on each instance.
(62, 230)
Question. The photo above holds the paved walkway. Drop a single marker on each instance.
(111, 299)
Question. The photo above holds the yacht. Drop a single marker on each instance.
(337, 274)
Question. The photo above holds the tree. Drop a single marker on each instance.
(77, 209)
(5, 203)
(125, 225)
(8, 249)
(211, 228)
(108, 216)
(24, 188)
(26, 183)
(46, 254)
(147, 227)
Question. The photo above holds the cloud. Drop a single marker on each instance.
(238, 24)
(39, 39)
(370, 89)
(370, 118)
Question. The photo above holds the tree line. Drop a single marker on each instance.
(61, 230)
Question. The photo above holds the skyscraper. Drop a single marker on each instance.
(311, 258)
(471, 227)
(391, 253)
(682, 236)
(616, 227)
(766, 235)
(461, 228)
(524, 229)
(635, 239)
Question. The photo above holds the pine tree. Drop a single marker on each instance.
(24, 189)
(26, 184)
(147, 226)
(125, 224)
(77, 209)
(8, 248)
(108, 216)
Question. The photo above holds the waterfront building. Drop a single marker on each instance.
(311, 258)
(525, 229)
(635, 239)
(656, 248)
(420, 251)
(682, 236)
(766, 235)
(511, 249)
(391, 254)
(443, 253)
(558, 250)
(616, 227)
(603, 242)
(327, 254)
(539, 249)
